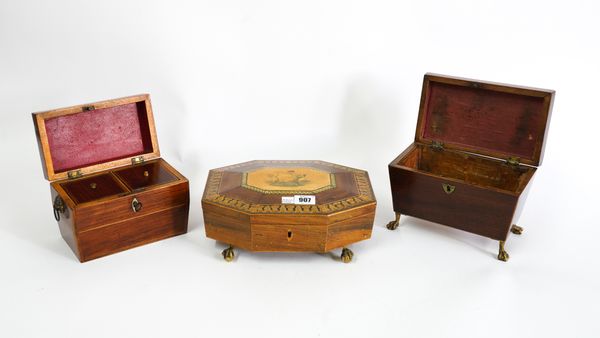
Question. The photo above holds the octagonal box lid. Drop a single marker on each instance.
(257, 187)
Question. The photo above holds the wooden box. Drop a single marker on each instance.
(110, 189)
(476, 149)
(251, 206)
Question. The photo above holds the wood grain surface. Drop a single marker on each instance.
(467, 183)
(257, 220)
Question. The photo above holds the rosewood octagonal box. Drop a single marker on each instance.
(110, 188)
(476, 149)
(291, 206)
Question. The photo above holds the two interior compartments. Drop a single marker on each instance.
(118, 181)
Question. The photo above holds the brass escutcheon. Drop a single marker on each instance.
(93, 185)
(448, 188)
(146, 174)
(136, 205)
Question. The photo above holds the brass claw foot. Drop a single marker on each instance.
(515, 229)
(502, 254)
(393, 225)
(347, 255)
(228, 254)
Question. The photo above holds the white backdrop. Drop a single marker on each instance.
(333, 80)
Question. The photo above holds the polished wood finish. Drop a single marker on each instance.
(470, 185)
(108, 224)
(133, 232)
(244, 217)
(117, 204)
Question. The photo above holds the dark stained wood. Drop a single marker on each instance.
(98, 227)
(99, 218)
(478, 210)
(66, 225)
(93, 188)
(258, 221)
(481, 124)
(487, 118)
(95, 214)
(133, 232)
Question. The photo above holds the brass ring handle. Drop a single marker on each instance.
(136, 205)
(59, 207)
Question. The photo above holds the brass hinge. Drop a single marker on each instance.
(437, 145)
(137, 160)
(74, 174)
(513, 161)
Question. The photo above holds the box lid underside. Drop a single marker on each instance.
(491, 119)
(96, 136)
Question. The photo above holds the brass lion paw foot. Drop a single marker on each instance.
(228, 254)
(502, 254)
(393, 225)
(347, 255)
(515, 229)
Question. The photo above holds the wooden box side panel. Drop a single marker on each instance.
(290, 238)
(66, 224)
(367, 209)
(521, 202)
(117, 209)
(484, 212)
(227, 225)
(133, 232)
(350, 230)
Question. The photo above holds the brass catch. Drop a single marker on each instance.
(88, 108)
(437, 145)
(513, 161)
(137, 160)
(74, 174)
(448, 188)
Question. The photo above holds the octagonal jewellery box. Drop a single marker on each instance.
(110, 188)
(476, 149)
(291, 206)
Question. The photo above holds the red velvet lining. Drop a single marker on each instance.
(97, 136)
(484, 119)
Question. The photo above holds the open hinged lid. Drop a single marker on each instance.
(491, 119)
(87, 138)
